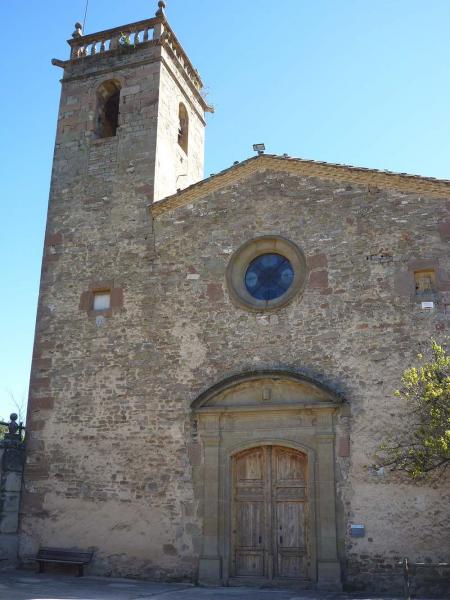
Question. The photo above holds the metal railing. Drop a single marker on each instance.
(410, 568)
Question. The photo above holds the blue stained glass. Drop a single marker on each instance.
(269, 276)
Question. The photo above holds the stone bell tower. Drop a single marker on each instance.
(130, 132)
(131, 112)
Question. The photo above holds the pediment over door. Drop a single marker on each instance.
(265, 390)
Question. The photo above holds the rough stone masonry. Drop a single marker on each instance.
(146, 415)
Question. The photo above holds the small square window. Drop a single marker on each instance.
(425, 281)
(102, 300)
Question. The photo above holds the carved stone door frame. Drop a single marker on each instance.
(267, 408)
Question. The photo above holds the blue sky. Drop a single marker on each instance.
(357, 82)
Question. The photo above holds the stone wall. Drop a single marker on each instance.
(176, 169)
(98, 226)
(12, 455)
(357, 326)
(113, 458)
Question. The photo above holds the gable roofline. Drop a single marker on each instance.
(308, 168)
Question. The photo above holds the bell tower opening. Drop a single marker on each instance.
(108, 102)
(183, 127)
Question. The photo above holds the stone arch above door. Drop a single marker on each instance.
(273, 385)
(257, 409)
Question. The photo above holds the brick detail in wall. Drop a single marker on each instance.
(444, 231)
(317, 261)
(318, 279)
(87, 298)
(344, 446)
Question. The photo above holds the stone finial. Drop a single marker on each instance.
(14, 429)
(161, 7)
(78, 30)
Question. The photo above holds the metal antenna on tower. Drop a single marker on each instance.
(85, 13)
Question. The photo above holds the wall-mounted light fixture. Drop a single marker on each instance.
(259, 148)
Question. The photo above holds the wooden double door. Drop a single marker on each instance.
(270, 514)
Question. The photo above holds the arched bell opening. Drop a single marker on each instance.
(183, 128)
(108, 108)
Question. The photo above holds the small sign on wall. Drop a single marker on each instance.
(357, 530)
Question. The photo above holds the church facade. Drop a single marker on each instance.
(215, 359)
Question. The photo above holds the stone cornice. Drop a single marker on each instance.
(306, 168)
(329, 407)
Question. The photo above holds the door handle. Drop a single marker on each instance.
(260, 539)
(281, 539)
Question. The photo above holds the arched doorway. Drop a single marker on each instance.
(267, 444)
(270, 528)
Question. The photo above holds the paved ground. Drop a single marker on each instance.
(23, 585)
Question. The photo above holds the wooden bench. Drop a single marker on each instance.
(60, 556)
